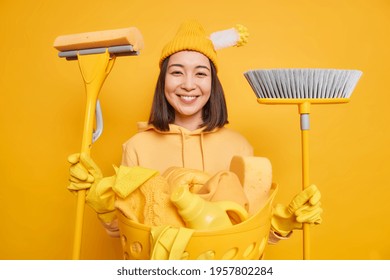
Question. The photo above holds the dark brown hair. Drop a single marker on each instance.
(214, 113)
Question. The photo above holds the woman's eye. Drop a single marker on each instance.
(176, 73)
(201, 74)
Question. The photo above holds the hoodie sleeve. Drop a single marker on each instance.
(247, 149)
(129, 156)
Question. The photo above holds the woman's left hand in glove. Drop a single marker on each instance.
(304, 208)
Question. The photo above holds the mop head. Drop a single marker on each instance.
(124, 41)
(302, 84)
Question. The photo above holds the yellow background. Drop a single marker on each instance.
(42, 109)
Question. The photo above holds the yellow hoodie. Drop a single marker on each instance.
(209, 151)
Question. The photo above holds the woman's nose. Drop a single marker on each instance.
(188, 83)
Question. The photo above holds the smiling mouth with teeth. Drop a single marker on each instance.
(188, 97)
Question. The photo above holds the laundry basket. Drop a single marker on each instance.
(244, 241)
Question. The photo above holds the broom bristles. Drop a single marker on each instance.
(303, 83)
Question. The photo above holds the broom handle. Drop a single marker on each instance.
(304, 111)
(94, 69)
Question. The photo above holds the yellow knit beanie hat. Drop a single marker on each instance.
(190, 37)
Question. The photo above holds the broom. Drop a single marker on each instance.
(96, 53)
(303, 87)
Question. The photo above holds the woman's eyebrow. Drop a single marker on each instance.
(182, 66)
(202, 66)
(176, 64)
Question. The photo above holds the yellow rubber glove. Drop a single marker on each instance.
(304, 208)
(101, 199)
(86, 175)
(169, 243)
(83, 172)
(101, 196)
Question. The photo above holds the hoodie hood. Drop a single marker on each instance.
(173, 129)
(209, 151)
(186, 137)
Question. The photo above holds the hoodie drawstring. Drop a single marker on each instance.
(182, 147)
(202, 151)
(201, 139)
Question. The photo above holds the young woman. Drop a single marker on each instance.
(186, 127)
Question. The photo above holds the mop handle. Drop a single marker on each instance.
(94, 69)
(304, 111)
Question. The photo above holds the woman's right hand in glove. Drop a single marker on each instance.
(83, 172)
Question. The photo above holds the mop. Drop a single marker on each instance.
(96, 53)
(303, 87)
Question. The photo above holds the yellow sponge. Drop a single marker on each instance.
(255, 175)
(100, 39)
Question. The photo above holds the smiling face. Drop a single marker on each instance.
(188, 87)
